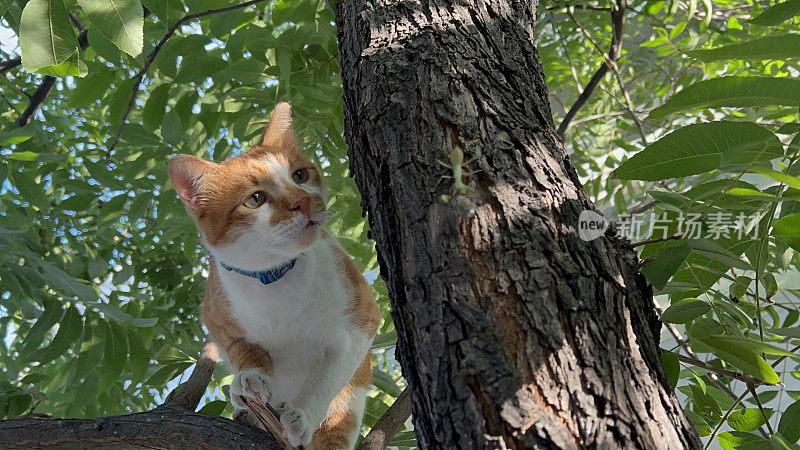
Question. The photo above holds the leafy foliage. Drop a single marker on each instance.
(100, 270)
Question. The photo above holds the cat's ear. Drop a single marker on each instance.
(186, 173)
(279, 133)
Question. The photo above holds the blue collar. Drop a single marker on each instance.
(266, 277)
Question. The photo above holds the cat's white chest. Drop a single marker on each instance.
(297, 319)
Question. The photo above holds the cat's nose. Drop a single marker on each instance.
(304, 205)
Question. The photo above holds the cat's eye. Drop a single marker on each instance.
(256, 200)
(300, 176)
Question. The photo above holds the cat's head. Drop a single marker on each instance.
(260, 208)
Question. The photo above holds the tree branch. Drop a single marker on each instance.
(193, 389)
(614, 52)
(164, 427)
(720, 371)
(5, 66)
(389, 424)
(150, 58)
(83, 39)
(37, 99)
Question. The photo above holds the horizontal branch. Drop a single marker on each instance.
(719, 371)
(164, 427)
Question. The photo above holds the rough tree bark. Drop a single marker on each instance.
(513, 332)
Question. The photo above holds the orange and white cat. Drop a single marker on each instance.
(290, 310)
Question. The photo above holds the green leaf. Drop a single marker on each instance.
(22, 156)
(139, 135)
(4, 4)
(685, 310)
(672, 367)
(739, 287)
(69, 330)
(16, 136)
(153, 112)
(385, 340)
(742, 357)
(385, 382)
(172, 128)
(778, 13)
(53, 312)
(705, 404)
(167, 11)
(92, 347)
(214, 408)
(62, 281)
(120, 21)
(770, 47)
(404, 439)
(704, 327)
(46, 35)
(659, 271)
(737, 440)
(73, 66)
(139, 356)
(789, 426)
(116, 352)
(700, 148)
(714, 251)
(90, 89)
(747, 419)
(787, 229)
(734, 92)
(677, 200)
(167, 373)
(197, 69)
(698, 422)
(788, 180)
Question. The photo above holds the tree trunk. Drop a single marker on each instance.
(512, 331)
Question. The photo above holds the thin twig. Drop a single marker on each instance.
(268, 418)
(720, 371)
(9, 103)
(752, 390)
(587, 7)
(652, 241)
(724, 419)
(150, 58)
(389, 424)
(614, 52)
(610, 60)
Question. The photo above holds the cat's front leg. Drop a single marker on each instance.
(253, 367)
(327, 377)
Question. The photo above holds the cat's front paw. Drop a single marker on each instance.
(253, 384)
(295, 424)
